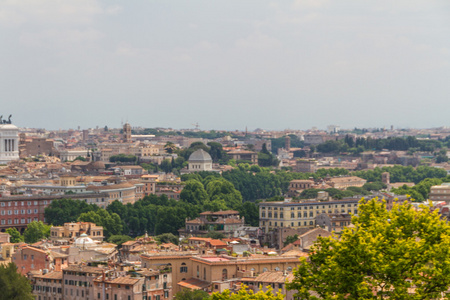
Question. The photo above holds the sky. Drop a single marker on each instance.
(290, 64)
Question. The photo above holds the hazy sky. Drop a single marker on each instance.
(225, 64)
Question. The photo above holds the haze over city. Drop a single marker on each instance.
(225, 64)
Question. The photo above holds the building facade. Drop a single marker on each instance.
(9, 143)
(301, 214)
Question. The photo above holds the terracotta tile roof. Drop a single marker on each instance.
(51, 275)
(124, 280)
(217, 243)
(272, 277)
(130, 243)
(110, 187)
(81, 268)
(194, 284)
(58, 255)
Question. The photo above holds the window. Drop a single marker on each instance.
(224, 274)
(183, 268)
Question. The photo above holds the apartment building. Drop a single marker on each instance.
(301, 214)
(213, 273)
(72, 230)
(440, 192)
(225, 222)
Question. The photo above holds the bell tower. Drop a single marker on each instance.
(127, 133)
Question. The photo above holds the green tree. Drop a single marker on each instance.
(167, 238)
(66, 210)
(398, 254)
(217, 153)
(112, 224)
(36, 231)
(15, 235)
(265, 158)
(119, 239)
(215, 235)
(166, 166)
(186, 294)
(14, 286)
(250, 212)
(243, 294)
(290, 239)
(194, 192)
(170, 147)
(222, 189)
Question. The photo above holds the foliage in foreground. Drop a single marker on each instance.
(386, 255)
(186, 294)
(244, 294)
(14, 286)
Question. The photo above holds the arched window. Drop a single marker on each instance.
(264, 269)
(204, 273)
(198, 272)
(289, 269)
(224, 274)
(183, 268)
(277, 269)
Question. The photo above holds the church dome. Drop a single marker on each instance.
(8, 126)
(84, 241)
(200, 156)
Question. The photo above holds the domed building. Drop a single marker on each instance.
(200, 160)
(84, 242)
(9, 143)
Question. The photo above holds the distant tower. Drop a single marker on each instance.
(287, 143)
(386, 177)
(85, 135)
(127, 133)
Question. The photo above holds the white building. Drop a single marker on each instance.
(9, 143)
(200, 160)
(70, 155)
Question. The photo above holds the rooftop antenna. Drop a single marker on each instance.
(196, 125)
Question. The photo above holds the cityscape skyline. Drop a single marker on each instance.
(260, 64)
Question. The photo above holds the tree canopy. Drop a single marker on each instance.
(244, 294)
(15, 235)
(403, 253)
(36, 231)
(14, 286)
(186, 294)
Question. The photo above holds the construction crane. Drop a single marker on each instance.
(196, 126)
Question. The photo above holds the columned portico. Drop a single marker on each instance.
(9, 143)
